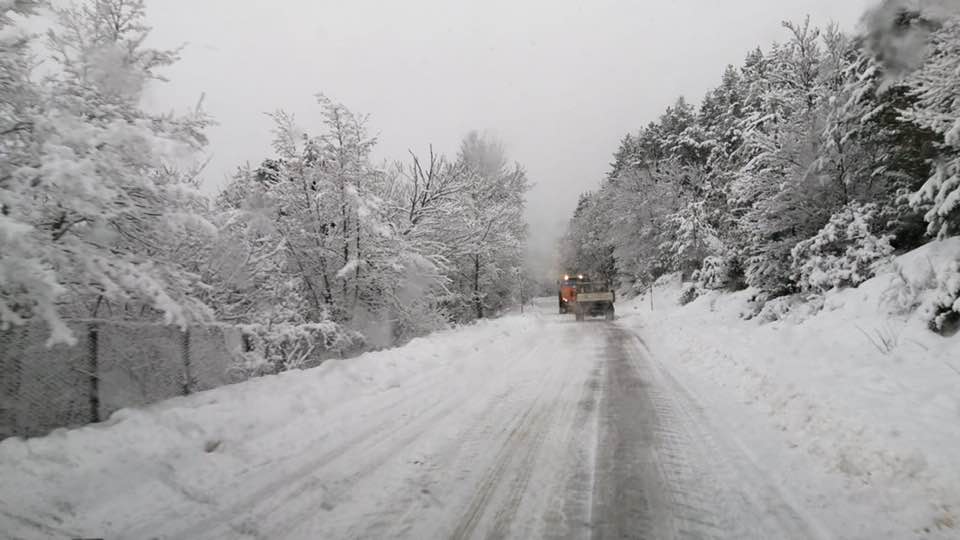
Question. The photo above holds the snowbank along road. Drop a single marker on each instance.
(535, 427)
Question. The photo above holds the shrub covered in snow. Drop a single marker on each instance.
(943, 311)
(688, 294)
(794, 308)
(843, 254)
(926, 281)
(905, 295)
(721, 272)
(284, 346)
(778, 308)
(713, 273)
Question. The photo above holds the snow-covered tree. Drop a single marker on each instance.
(805, 167)
(488, 243)
(842, 254)
(94, 201)
(937, 90)
(251, 276)
(27, 284)
(389, 252)
(587, 247)
(898, 31)
(782, 202)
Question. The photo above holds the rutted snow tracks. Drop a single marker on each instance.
(547, 430)
(667, 472)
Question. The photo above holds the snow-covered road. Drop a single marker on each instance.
(529, 427)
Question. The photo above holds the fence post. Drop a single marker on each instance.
(93, 350)
(11, 362)
(185, 351)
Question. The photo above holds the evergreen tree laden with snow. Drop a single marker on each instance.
(936, 88)
(805, 168)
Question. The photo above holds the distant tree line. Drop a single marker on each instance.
(808, 165)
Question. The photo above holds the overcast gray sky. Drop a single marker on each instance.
(559, 81)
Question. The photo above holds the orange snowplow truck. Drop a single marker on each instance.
(585, 298)
(567, 291)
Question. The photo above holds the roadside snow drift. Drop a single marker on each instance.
(99, 479)
(860, 391)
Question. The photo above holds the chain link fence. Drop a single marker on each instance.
(114, 364)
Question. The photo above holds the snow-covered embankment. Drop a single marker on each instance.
(860, 392)
(205, 450)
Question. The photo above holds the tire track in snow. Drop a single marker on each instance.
(467, 447)
(368, 465)
(291, 484)
(520, 433)
(503, 489)
(626, 490)
(512, 482)
(235, 518)
(365, 461)
(570, 516)
(708, 489)
(504, 517)
(264, 474)
(750, 493)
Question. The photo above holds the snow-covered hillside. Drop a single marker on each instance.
(853, 406)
